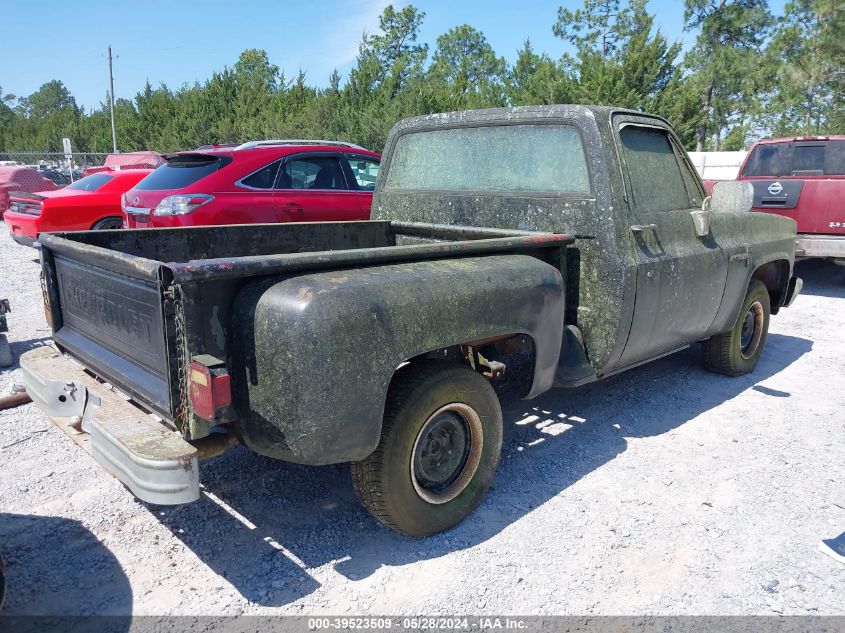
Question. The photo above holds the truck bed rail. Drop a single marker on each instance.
(472, 242)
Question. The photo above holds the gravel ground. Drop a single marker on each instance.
(665, 490)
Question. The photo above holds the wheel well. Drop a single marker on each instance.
(514, 351)
(106, 217)
(775, 276)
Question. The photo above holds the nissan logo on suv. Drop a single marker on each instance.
(775, 188)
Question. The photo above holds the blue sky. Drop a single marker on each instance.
(176, 42)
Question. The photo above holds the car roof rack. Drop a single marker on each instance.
(295, 141)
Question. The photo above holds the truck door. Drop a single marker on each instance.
(680, 276)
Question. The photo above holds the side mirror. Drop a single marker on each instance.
(732, 196)
(729, 196)
(701, 219)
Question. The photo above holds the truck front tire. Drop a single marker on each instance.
(440, 444)
(737, 351)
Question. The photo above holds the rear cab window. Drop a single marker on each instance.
(537, 158)
(796, 158)
(182, 170)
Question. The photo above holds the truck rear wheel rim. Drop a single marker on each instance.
(446, 453)
(752, 330)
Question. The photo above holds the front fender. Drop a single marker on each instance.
(314, 354)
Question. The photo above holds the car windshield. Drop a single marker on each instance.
(797, 158)
(182, 170)
(90, 183)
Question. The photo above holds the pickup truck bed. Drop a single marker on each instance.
(135, 307)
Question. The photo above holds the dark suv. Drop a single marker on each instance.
(256, 182)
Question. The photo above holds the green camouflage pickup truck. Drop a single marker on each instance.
(543, 246)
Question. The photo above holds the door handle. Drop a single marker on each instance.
(639, 228)
(293, 208)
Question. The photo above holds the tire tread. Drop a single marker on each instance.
(369, 475)
(720, 352)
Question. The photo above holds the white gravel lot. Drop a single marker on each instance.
(665, 490)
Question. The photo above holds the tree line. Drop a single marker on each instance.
(748, 74)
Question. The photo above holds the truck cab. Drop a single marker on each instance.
(641, 279)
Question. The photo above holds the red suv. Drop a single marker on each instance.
(256, 182)
(804, 179)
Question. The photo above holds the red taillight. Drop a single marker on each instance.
(26, 208)
(209, 387)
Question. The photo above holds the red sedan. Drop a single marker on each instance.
(92, 202)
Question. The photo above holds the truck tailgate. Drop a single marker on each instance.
(113, 322)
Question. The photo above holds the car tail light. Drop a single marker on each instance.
(27, 208)
(182, 203)
(210, 388)
(123, 202)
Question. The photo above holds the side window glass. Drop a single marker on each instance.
(312, 172)
(263, 178)
(365, 171)
(657, 181)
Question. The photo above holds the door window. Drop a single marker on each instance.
(312, 172)
(657, 182)
(365, 171)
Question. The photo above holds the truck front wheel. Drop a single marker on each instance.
(439, 448)
(737, 351)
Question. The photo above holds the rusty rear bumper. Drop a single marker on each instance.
(152, 460)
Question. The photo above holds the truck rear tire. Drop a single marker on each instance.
(737, 351)
(6, 358)
(440, 444)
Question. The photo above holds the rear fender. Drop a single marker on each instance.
(314, 354)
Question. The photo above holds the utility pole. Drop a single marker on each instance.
(111, 100)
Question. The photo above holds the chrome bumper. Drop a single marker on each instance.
(150, 459)
(832, 246)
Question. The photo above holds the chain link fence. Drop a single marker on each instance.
(55, 165)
